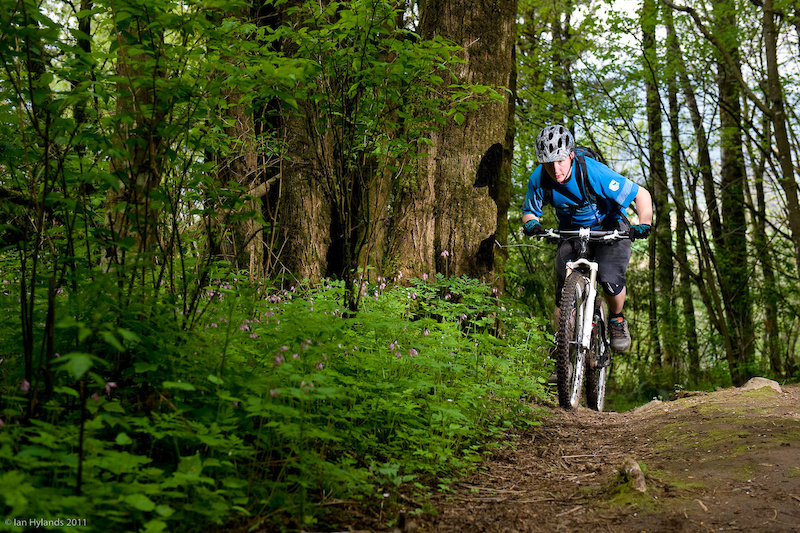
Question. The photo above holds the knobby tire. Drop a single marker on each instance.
(569, 358)
(596, 376)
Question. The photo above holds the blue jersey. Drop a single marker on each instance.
(611, 193)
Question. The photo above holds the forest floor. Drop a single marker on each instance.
(722, 461)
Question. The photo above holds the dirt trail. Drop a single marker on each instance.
(722, 461)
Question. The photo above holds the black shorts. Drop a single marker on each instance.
(612, 261)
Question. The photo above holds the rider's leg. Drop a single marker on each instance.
(613, 261)
(616, 301)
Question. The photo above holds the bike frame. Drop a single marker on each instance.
(589, 269)
(578, 353)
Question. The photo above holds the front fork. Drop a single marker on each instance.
(591, 297)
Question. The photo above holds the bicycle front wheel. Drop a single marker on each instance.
(597, 371)
(570, 359)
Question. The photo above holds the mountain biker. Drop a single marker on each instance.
(599, 204)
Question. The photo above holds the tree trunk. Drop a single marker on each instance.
(734, 270)
(134, 227)
(763, 251)
(447, 218)
(782, 142)
(305, 215)
(661, 244)
(681, 227)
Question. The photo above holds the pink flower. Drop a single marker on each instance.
(274, 393)
(110, 385)
(445, 253)
(25, 386)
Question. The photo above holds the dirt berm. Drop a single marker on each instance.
(722, 461)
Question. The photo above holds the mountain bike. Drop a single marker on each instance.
(582, 345)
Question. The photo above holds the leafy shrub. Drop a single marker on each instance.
(274, 404)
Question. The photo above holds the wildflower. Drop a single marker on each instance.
(426, 332)
(25, 386)
(278, 360)
(284, 348)
(254, 335)
(244, 327)
(110, 385)
(318, 366)
(274, 393)
(398, 355)
(295, 356)
(445, 253)
(425, 276)
(2, 423)
(447, 296)
(414, 296)
(413, 353)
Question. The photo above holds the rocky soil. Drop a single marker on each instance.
(722, 461)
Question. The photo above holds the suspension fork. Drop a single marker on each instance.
(591, 297)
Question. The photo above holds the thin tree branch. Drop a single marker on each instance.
(725, 54)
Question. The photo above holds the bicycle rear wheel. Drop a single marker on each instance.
(598, 369)
(570, 361)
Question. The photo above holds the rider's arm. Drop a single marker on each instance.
(532, 208)
(644, 206)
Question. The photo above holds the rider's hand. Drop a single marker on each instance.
(640, 231)
(532, 227)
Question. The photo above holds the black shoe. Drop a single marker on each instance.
(620, 337)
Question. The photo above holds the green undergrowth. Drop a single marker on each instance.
(274, 406)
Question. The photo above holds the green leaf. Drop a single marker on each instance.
(112, 340)
(177, 385)
(155, 526)
(123, 439)
(76, 363)
(140, 502)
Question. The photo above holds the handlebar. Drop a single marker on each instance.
(585, 233)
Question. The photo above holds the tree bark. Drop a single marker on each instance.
(663, 308)
(681, 227)
(447, 217)
(733, 264)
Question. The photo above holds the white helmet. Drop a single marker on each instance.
(554, 143)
